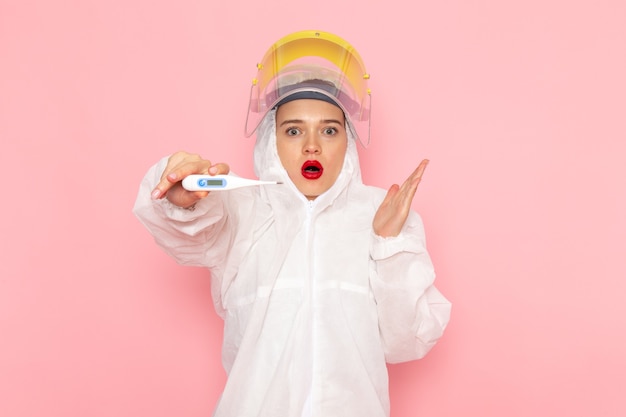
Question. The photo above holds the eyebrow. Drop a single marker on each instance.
(297, 121)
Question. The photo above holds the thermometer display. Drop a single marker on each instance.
(203, 182)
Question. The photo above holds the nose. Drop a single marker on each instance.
(312, 145)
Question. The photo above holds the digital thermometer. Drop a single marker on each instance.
(219, 182)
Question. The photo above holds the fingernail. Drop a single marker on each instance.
(213, 170)
(155, 194)
(172, 176)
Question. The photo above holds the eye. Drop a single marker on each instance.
(292, 131)
(330, 130)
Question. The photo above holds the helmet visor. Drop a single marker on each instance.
(312, 61)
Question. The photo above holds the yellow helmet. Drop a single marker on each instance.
(312, 61)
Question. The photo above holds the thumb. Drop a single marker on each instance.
(393, 190)
(219, 168)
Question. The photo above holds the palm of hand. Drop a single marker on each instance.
(395, 208)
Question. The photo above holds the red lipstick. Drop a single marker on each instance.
(312, 170)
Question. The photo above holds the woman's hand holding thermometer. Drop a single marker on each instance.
(187, 178)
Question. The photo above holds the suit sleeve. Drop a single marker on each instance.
(198, 237)
(412, 313)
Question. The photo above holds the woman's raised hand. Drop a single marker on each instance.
(395, 208)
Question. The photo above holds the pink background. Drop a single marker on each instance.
(521, 107)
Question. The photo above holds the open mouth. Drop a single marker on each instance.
(312, 170)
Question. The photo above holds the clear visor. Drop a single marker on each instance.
(312, 61)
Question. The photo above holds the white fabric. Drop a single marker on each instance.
(313, 302)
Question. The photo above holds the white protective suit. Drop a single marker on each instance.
(313, 302)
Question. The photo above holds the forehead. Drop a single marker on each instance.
(309, 110)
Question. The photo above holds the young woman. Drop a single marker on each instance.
(320, 280)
